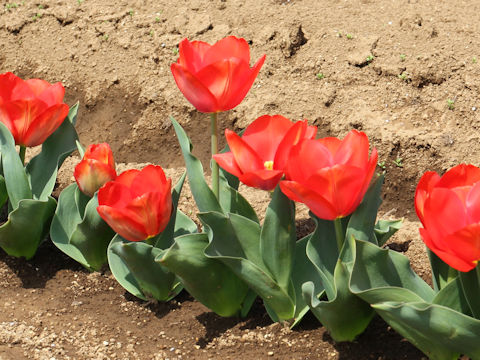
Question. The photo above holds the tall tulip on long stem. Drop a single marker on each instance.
(215, 78)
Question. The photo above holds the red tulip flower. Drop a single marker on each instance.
(330, 175)
(449, 209)
(215, 77)
(96, 168)
(137, 204)
(31, 109)
(258, 158)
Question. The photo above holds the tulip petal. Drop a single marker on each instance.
(262, 179)
(228, 48)
(53, 94)
(459, 176)
(115, 194)
(8, 82)
(265, 134)
(444, 213)
(353, 149)
(447, 256)
(194, 91)
(315, 202)
(122, 222)
(191, 55)
(424, 187)
(38, 86)
(293, 136)
(472, 204)
(340, 185)
(465, 243)
(306, 158)
(227, 162)
(152, 179)
(245, 157)
(44, 125)
(242, 81)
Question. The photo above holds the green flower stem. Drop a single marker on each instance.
(214, 140)
(22, 153)
(339, 233)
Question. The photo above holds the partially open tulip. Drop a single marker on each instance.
(330, 175)
(96, 168)
(31, 109)
(259, 157)
(215, 77)
(449, 209)
(137, 204)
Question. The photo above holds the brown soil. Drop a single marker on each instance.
(114, 57)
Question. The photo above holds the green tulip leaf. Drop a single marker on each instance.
(133, 265)
(233, 202)
(441, 272)
(322, 251)
(344, 315)
(384, 229)
(303, 271)
(203, 195)
(452, 296)
(441, 333)
(165, 239)
(235, 240)
(42, 169)
(278, 238)
(208, 280)
(381, 275)
(80, 233)
(3, 192)
(27, 226)
(13, 171)
(362, 222)
(471, 288)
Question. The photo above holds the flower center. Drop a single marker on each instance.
(268, 165)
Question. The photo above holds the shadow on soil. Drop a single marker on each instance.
(35, 272)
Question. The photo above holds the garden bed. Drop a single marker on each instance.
(404, 72)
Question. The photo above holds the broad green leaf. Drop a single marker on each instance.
(203, 195)
(80, 233)
(452, 296)
(303, 271)
(151, 279)
(233, 202)
(471, 288)
(13, 171)
(26, 227)
(3, 192)
(345, 315)
(42, 169)
(441, 333)
(322, 251)
(362, 222)
(278, 237)
(237, 246)
(384, 229)
(383, 275)
(208, 280)
(92, 236)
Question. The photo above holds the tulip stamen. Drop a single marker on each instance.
(268, 165)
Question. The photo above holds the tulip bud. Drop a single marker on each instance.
(96, 168)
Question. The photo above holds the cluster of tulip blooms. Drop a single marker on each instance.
(340, 271)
